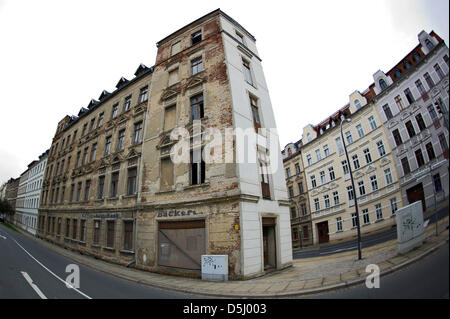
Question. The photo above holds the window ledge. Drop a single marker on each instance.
(127, 252)
(111, 249)
(130, 196)
(206, 184)
(95, 246)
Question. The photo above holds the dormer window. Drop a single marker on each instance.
(429, 45)
(397, 74)
(357, 104)
(382, 84)
(308, 137)
(416, 57)
(196, 37)
(407, 65)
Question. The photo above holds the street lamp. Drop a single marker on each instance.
(353, 187)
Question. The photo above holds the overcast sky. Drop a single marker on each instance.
(57, 55)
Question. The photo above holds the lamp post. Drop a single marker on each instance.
(353, 187)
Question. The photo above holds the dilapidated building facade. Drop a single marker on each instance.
(192, 168)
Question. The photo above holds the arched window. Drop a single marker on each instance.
(382, 84)
(357, 104)
(407, 65)
(308, 137)
(397, 74)
(429, 45)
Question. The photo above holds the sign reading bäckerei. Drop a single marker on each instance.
(178, 213)
(107, 215)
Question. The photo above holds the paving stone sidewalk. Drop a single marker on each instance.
(306, 276)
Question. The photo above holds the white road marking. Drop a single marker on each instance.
(63, 281)
(336, 251)
(3, 237)
(33, 285)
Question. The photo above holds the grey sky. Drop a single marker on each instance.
(57, 55)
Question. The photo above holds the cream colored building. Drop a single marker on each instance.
(328, 180)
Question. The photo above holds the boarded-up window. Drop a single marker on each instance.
(176, 47)
(170, 117)
(166, 173)
(173, 77)
(181, 244)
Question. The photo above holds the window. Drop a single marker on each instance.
(197, 168)
(127, 104)
(443, 142)
(410, 129)
(378, 211)
(405, 166)
(374, 183)
(350, 193)
(323, 179)
(437, 183)
(67, 227)
(176, 47)
(339, 224)
(397, 137)
(318, 155)
(429, 45)
(83, 230)
(309, 159)
(128, 235)
(399, 102)
(397, 74)
(59, 226)
(143, 94)
(367, 156)
(316, 204)
(291, 191)
(79, 191)
(197, 110)
(365, 214)
(87, 189)
(326, 200)
(416, 57)
(239, 37)
(388, 176)
(372, 123)
(100, 119)
(303, 208)
(114, 184)
(108, 145)
(331, 173)
(355, 161)
(382, 84)
(255, 114)
(72, 190)
(394, 206)
(293, 212)
(429, 80)
(381, 149)
(313, 181)
(357, 104)
(101, 187)
(131, 183)
(360, 130)
(326, 150)
(348, 136)
(91, 127)
(74, 228)
(300, 187)
(196, 37)
(173, 77)
(82, 132)
(362, 188)
(93, 152)
(137, 137)
(110, 233)
(336, 198)
(247, 72)
(288, 172)
(432, 112)
(196, 65)
(345, 167)
(114, 112)
(445, 58)
(407, 65)
(419, 158)
(297, 168)
(354, 220)
(339, 145)
(420, 87)
(430, 151)
(420, 122)
(409, 96)
(120, 145)
(97, 231)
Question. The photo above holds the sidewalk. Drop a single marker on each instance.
(306, 276)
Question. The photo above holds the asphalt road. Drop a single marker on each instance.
(30, 271)
(366, 241)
